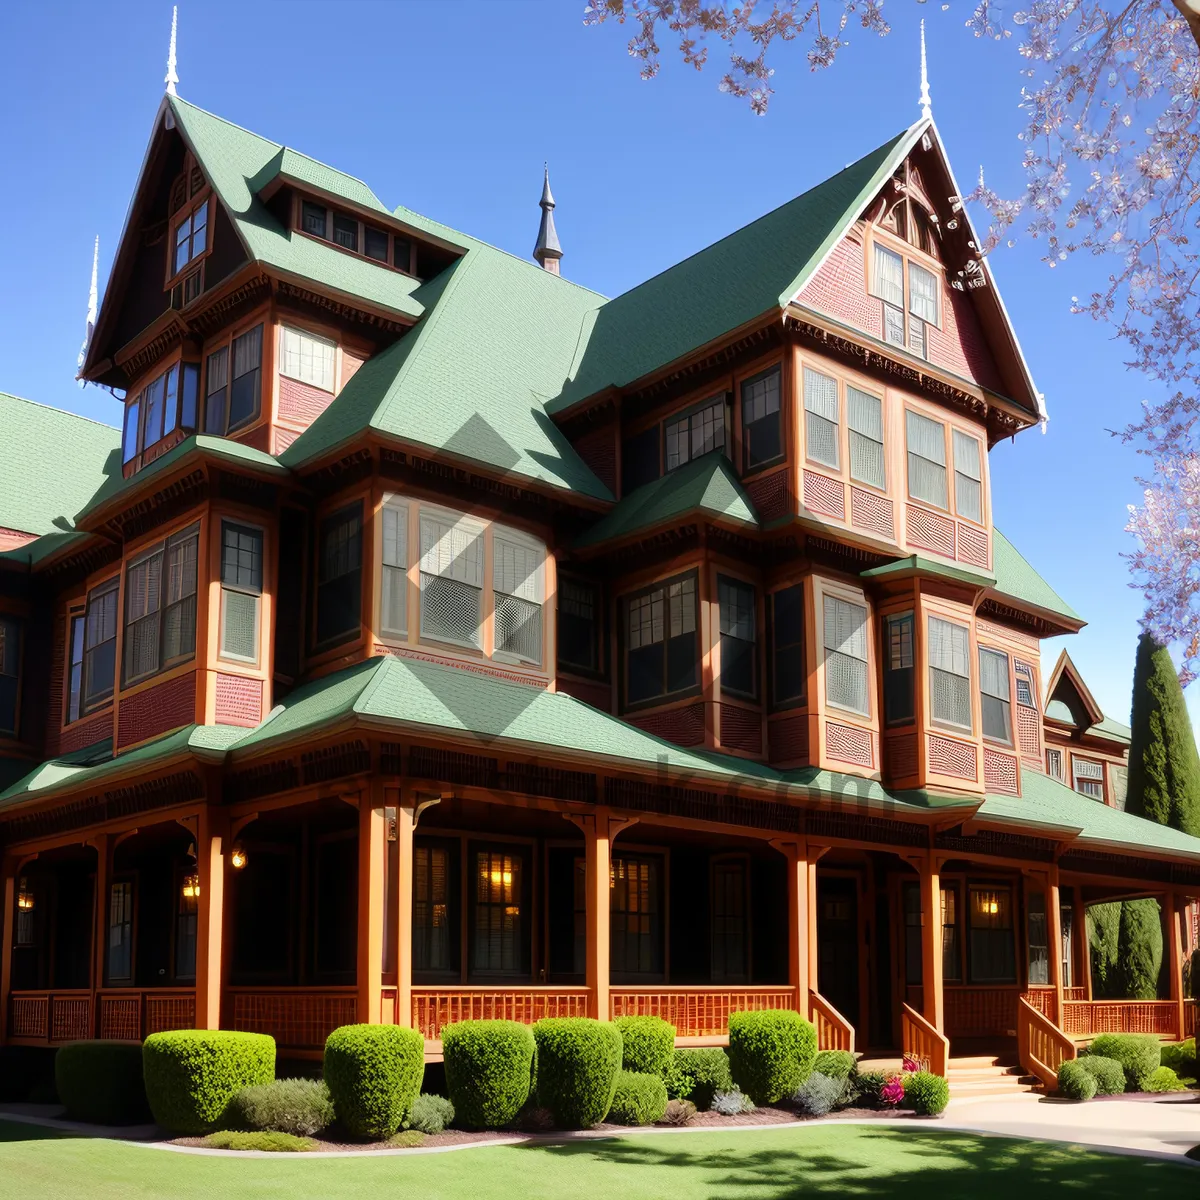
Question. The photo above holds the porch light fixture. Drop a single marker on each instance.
(191, 886)
(237, 856)
(987, 903)
(25, 900)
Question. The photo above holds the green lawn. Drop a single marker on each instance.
(848, 1160)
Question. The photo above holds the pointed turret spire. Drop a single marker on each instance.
(926, 106)
(172, 78)
(547, 251)
(93, 302)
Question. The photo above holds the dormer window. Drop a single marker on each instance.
(358, 237)
(191, 237)
(910, 289)
(168, 402)
(696, 432)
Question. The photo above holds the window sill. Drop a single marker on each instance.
(758, 468)
(165, 674)
(637, 707)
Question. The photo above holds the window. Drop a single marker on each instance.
(129, 438)
(913, 959)
(100, 644)
(898, 692)
(922, 293)
(1024, 677)
(661, 642)
(375, 243)
(1089, 777)
(451, 578)
(906, 324)
(160, 408)
(232, 395)
(402, 254)
(187, 911)
(75, 631)
(951, 957)
(10, 673)
(394, 584)
(358, 237)
(191, 238)
(992, 955)
(578, 624)
(696, 433)
(739, 650)
(120, 932)
(730, 912)
(926, 459)
(306, 357)
(993, 687)
(241, 587)
(160, 606)
(339, 574)
(821, 418)
(1054, 765)
(760, 419)
(635, 940)
(1038, 937)
(949, 674)
(846, 683)
(639, 460)
(517, 588)
(888, 280)
(433, 936)
(787, 636)
(968, 478)
(315, 219)
(345, 231)
(500, 945)
(864, 416)
(1067, 919)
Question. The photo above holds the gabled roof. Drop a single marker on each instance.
(51, 462)
(1016, 580)
(707, 485)
(1095, 723)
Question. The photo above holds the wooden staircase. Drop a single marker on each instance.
(988, 1075)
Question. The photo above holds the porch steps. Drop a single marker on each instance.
(987, 1075)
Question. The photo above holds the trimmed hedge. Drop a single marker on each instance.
(1138, 1053)
(374, 1074)
(193, 1074)
(698, 1074)
(1107, 1072)
(640, 1098)
(836, 1064)
(577, 1063)
(300, 1107)
(1163, 1079)
(1180, 1057)
(1075, 1082)
(488, 1070)
(275, 1143)
(101, 1082)
(648, 1044)
(771, 1052)
(926, 1094)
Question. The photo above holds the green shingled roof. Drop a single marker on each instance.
(238, 164)
(292, 165)
(1106, 727)
(1016, 579)
(706, 485)
(1056, 710)
(51, 462)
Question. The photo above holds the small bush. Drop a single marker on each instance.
(297, 1106)
(1107, 1072)
(408, 1139)
(101, 1082)
(1163, 1079)
(488, 1071)
(374, 1074)
(648, 1044)
(678, 1112)
(430, 1114)
(771, 1052)
(730, 1104)
(868, 1087)
(836, 1064)
(577, 1063)
(237, 1139)
(192, 1074)
(926, 1094)
(1180, 1056)
(698, 1074)
(819, 1095)
(639, 1099)
(1138, 1053)
(1075, 1081)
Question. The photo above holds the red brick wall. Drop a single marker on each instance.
(157, 710)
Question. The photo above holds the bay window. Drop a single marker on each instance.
(787, 644)
(949, 674)
(661, 647)
(739, 647)
(241, 590)
(10, 673)
(898, 697)
(160, 606)
(233, 384)
(864, 417)
(168, 402)
(888, 281)
(926, 459)
(518, 582)
(339, 574)
(305, 357)
(451, 578)
(994, 689)
(821, 433)
(845, 640)
(968, 478)
(394, 607)
(761, 430)
(696, 433)
(100, 644)
(895, 276)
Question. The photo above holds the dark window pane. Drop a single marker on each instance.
(217, 384)
(247, 375)
(1039, 940)
(190, 400)
(729, 922)
(787, 629)
(339, 580)
(401, 253)
(501, 920)
(171, 415)
(760, 419)
(681, 662)
(435, 911)
(738, 641)
(100, 644)
(645, 673)
(898, 696)
(635, 924)
(376, 244)
(639, 460)
(10, 671)
(577, 624)
(155, 400)
(241, 557)
(345, 231)
(992, 952)
(75, 670)
(912, 934)
(120, 933)
(129, 440)
(315, 219)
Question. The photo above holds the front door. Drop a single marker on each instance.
(837, 945)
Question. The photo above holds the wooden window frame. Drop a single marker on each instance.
(225, 342)
(659, 913)
(477, 529)
(909, 254)
(980, 651)
(1102, 781)
(112, 585)
(596, 671)
(18, 623)
(1059, 775)
(129, 880)
(333, 211)
(857, 600)
(526, 541)
(180, 870)
(283, 329)
(258, 531)
(719, 860)
(400, 506)
(76, 618)
(885, 623)
(755, 641)
(194, 199)
(452, 973)
(623, 603)
(949, 428)
(174, 413)
(967, 730)
(778, 704)
(527, 899)
(719, 400)
(333, 517)
(749, 468)
(978, 885)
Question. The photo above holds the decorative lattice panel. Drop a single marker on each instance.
(980, 1012)
(239, 700)
(697, 1012)
(930, 531)
(948, 757)
(120, 1017)
(787, 738)
(170, 1012)
(972, 545)
(824, 495)
(741, 729)
(29, 1016)
(435, 1008)
(769, 495)
(845, 743)
(683, 726)
(1029, 731)
(900, 754)
(1120, 1016)
(302, 1020)
(1000, 772)
(872, 513)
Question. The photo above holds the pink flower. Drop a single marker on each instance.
(910, 1065)
(892, 1092)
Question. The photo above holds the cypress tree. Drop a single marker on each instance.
(1164, 767)
(1140, 949)
(1104, 925)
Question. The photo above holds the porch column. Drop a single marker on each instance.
(211, 826)
(799, 978)
(102, 843)
(1054, 922)
(406, 822)
(371, 889)
(931, 944)
(1175, 957)
(8, 916)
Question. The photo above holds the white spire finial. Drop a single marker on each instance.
(172, 78)
(926, 107)
(93, 302)
(981, 183)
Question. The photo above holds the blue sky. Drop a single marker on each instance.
(451, 108)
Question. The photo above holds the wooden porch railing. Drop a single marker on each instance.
(834, 1032)
(1160, 1017)
(434, 1008)
(1191, 1018)
(921, 1041)
(48, 1017)
(697, 1011)
(297, 1018)
(133, 1014)
(1041, 1046)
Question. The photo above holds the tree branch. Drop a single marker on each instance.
(1190, 11)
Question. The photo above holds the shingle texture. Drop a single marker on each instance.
(1017, 579)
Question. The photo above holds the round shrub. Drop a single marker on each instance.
(836, 1064)
(648, 1044)
(1107, 1072)
(488, 1070)
(430, 1113)
(732, 1104)
(1138, 1053)
(233, 1139)
(1075, 1082)
(926, 1094)
(577, 1063)
(639, 1099)
(192, 1074)
(300, 1107)
(101, 1082)
(697, 1074)
(374, 1074)
(771, 1052)
(819, 1094)
(1180, 1057)
(1163, 1079)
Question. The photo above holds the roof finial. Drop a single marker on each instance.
(547, 251)
(926, 107)
(93, 298)
(172, 78)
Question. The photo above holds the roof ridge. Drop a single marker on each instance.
(66, 412)
(377, 675)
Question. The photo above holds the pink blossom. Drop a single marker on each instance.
(892, 1092)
